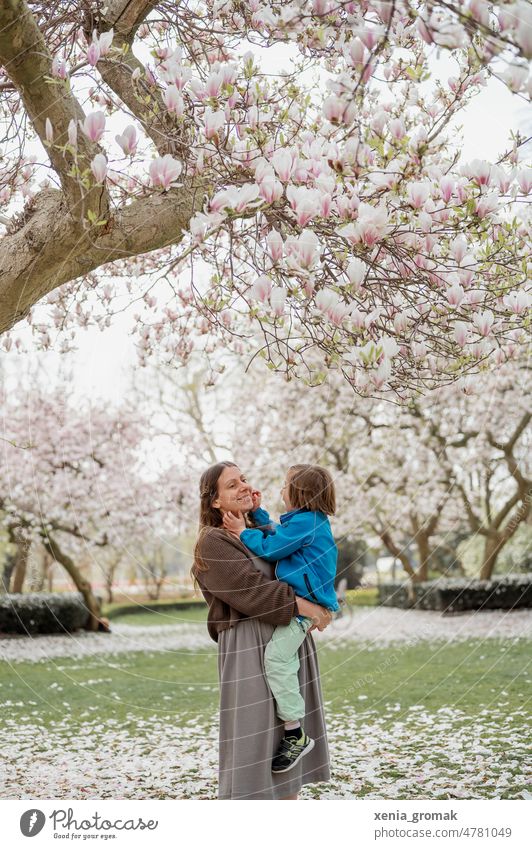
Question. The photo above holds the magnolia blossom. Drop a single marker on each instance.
(418, 193)
(99, 167)
(277, 300)
(356, 271)
(59, 68)
(283, 163)
(517, 302)
(524, 180)
(214, 121)
(128, 140)
(261, 289)
(274, 241)
(164, 171)
(94, 126)
(479, 170)
(372, 224)
(305, 249)
(455, 295)
(173, 100)
(483, 322)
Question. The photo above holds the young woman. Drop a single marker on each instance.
(245, 604)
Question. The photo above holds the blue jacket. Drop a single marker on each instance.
(305, 551)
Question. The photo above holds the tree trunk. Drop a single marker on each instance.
(7, 571)
(82, 584)
(424, 552)
(21, 558)
(492, 548)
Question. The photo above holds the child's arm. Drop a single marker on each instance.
(286, 539)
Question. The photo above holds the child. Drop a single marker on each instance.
(304, 549)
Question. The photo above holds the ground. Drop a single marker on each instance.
(418, 705)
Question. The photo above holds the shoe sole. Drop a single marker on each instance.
(302, 755)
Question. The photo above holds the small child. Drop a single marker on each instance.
(304, 549)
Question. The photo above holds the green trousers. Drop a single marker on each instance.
(281, 663)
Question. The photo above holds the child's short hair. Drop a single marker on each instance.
(311, 488)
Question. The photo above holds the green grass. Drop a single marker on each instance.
(468, 676)
(198, 613)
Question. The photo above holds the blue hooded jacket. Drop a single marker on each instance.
(305, 551)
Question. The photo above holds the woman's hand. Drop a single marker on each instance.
(256, 497)
(321, 617)
(234, 523)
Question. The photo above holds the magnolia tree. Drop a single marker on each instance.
(72, 479)
(287, 214)
(419, 477)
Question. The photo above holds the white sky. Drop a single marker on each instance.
(102, 364)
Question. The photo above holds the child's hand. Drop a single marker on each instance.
(234, 523)
(256, 497)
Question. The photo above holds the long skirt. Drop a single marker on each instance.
(250, 730)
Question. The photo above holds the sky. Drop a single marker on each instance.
(102, 365)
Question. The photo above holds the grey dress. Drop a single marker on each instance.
(250, 731)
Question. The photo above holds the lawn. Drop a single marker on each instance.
(431, 720)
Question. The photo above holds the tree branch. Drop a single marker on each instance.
(49, 250)
(28, 62)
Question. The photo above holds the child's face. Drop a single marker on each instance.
(284, 492)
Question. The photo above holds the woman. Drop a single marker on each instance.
(245, 603)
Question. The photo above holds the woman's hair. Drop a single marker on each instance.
(311, 488)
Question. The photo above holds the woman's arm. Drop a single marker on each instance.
(232, 577)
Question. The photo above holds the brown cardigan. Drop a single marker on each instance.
(235, 586)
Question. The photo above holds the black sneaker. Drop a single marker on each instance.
(291, 751)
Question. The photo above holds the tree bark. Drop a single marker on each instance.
(23, 545)
(82, 584)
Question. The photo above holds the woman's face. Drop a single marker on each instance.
(234, 492)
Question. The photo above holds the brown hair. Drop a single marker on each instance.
(311, 488)
(210, 517)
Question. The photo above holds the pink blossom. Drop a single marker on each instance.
(164, 171)
(333, 109)
(277, 300)
(128, 140)
(523, 27)
(59, 68)
(446, 188)
(308, 248)
(94, 126)
(270, 189)
(261, 289)
(99, 167)
(247, 194)
(524, 180)
(173, 100)
(356, 271)
(458, 248)
(418, 193)
(483, 322)
(104, 41)
(282, 161)
(93, 53)
(214, 84)
(372, 224)
(479, 170)
(455, 295)
(461, 332)
(397, 128)
(517, 302)
(275, 245)
(486, 204)
(214, 121)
